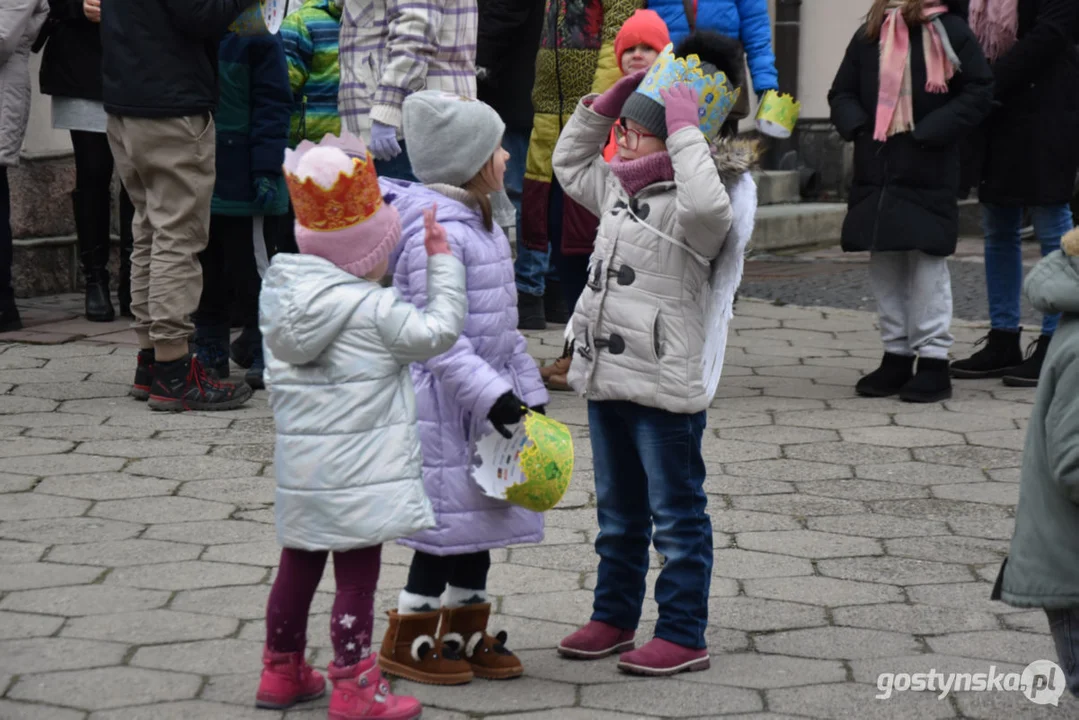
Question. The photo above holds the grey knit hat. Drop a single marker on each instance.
(449, 138)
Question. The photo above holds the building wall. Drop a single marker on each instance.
(827, 27)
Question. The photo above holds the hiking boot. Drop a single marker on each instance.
(212, 348)
(144, 375)
(287, 679)
(465, 628)
(554, 304)
(1028, 372)
(1000, 356)
(254, 375)
(360, 692)
(558, 367)
(184, 384)
(660, 657)
(930, 384)
(242, 349)
(410, 651)
(894, 372)
(596, 640)
(531, 313)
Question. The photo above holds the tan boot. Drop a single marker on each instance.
(467, 626)
(558, 367)
(410, 651)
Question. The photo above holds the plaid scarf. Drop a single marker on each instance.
(895, 100)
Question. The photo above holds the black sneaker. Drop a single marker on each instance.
(1000, 356)
(184, 384)
(930, 384)
(144, 375)
(531, 312)
(894, 372)
(1027, 374)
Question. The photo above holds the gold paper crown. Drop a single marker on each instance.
(717, 97)
(778, 114)
(353, 198)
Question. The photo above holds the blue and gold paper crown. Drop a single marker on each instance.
(717, 96)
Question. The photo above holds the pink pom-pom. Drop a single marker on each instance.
(324, 164)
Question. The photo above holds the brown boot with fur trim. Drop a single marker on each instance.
(410, 651)
(465, 627)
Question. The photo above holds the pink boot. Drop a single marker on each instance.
(596, 640)
(662, 657)
(360, 692)
(286, 680)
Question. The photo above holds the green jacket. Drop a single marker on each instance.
(310, 36)
(1042, 569)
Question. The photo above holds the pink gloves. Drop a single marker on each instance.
(434, 238)
(682, 103)
(610, 103)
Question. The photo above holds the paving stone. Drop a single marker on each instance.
(736, 521)
(39, 655)
(214, 532)
(69, 464)
(162, 509)
(1030, 621)
(106, 687)
(105, 486)
(862, 490)
(954, 421)
(169, 421)
(528, 694)
(800, 505)
(79, 600)
(259, 453)
(142, 448)
(1007, 475)
(245, 602)
(759, 615)
(658, 697)
(150, 627)
(563, 714)
(185, 575)
(772, 404)
(584, 519)
(12, 552)
(972, 596)
(951, 549)
(779, 435)
(545, 664)
(989, 407)
(722, 418)
(509, 579)
(264, 516)
(730, 485)
(10, 710)
(914, 619)
(16, 483)
(87, 433)
(30, 506)
(14, 626)
(793, 388)
(857, 701)
(848, 453)
(204, 657)
(72, 391)
(16, 361)
(1001, 645)
(880, 526)
(69, 350)
(68, 530)
(1012, 439)
(239, 689)
(123, 552)
(194, 468)
(16, 447)
(751, 670)
(894, 570)
(239, 491)
(794, 470)
(186, 710)
(996, 705)
(26, 576)
(837, 643)
(571, 607)
(744, 564)
(940, 509)
(973, 456)
(14, 404)
(808, 544)
(900, 437)
(718, 587)
(831, 419)
(919, 473)
(822, 591)
(733, 451)
(579, 558)
(265, 553)
(984, 492)
(867, 671)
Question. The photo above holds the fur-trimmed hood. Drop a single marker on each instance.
(735, 156)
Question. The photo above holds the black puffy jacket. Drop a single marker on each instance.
(160, 56)
(506, 47)
(904, 194)
(71, 65)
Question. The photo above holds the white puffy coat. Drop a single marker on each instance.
(338, 348)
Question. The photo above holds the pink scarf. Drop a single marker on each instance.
(636, 175)
(996, 25)
(895, 103)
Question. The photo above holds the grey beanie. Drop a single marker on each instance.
(449, 138)
(650, 114)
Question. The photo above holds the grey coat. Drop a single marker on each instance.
(1042, 569)
(20, 21)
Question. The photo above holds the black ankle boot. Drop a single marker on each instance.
(1027, 374)
(894, 372)
(531, 313)
(92, 230)
(930, 384)
(127, 244)
(999, 357)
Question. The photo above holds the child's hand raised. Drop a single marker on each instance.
(434, 239)
(682, 103)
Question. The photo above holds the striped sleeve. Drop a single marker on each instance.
(411, 44)
(299, 50)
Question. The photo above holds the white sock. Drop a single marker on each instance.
(456, 597)
(410, 604)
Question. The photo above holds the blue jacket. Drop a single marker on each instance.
(746, 20)
(252, 118)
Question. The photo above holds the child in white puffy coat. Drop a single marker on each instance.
(349, 469)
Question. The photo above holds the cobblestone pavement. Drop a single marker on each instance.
(852, 537)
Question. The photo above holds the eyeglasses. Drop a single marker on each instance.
(629, 137)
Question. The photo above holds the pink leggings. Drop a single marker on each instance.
(353, 615)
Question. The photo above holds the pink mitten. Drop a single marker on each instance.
(610, 103)
(682, 104)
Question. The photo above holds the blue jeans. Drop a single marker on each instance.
(532, 267)
(399, 168)
(649, 471)
(1004, 258)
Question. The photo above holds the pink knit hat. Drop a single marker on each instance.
(340, 214)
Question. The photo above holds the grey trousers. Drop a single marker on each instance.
(914, 302)
(1064, 625)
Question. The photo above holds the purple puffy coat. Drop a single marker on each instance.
(455, 391)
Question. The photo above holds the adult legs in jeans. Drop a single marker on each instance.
(92, 201)
(9, 313)
(1064, 626)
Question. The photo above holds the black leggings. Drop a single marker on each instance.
(93, 160)
(429, 574)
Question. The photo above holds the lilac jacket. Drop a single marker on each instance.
(455, 391)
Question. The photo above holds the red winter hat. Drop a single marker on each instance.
(644, 27)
